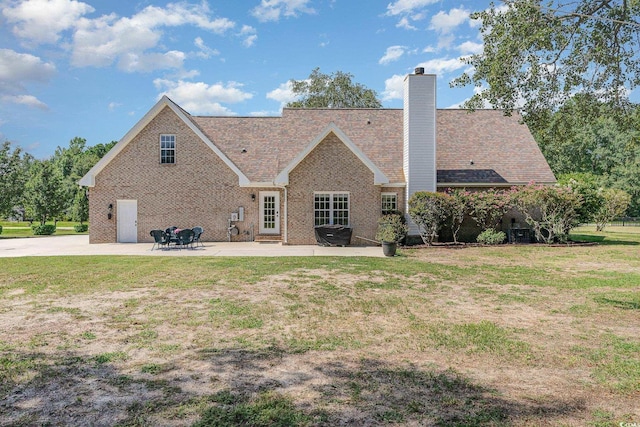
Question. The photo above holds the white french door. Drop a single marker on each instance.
(127, 221)
(269, 212)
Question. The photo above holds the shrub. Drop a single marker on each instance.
(491, 237)
(459, 207)
(487, 207)
(0, 229)
(391, 228)
(550, 210)
(614, 204)
(81, 228)
(43, 230)
(429, 211)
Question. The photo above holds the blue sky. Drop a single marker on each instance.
(93, 68)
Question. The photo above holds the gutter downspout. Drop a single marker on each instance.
(286, 217)
(285, 233)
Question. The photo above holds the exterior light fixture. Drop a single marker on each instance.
(253, 197)
(110, 211)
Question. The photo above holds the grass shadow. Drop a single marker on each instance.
(610, 239)
(365, 392)
(258, 388)
(625, 305)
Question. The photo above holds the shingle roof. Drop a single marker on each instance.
(261, 147)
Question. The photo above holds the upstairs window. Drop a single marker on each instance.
(331, 208)
(167, 149)
(389, 203)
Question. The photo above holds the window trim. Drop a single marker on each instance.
(173, 139)
(382, 203)
(331, 211)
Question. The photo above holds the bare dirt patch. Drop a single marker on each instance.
(413, 346)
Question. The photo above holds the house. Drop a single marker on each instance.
(276, 178)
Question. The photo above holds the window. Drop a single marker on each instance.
(389, 203)
(167, 149)
(331, 208)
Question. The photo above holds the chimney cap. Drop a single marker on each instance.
(419, 70)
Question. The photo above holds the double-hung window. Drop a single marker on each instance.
(389, 203)
(167, 149)
(331, 208)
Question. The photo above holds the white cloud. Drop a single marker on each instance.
(404, 23)
(485, 104)
(272, 10)
(442, 66)
(101, 42)
(283, 94)
(202, 98)
(393, 53)
(19, 67)
(470, 48)
(407, 6)
(393, 88)
(28, 100)
(445, 41)
(146, 62)
(249, 34)
(445, 22)
(42, 21)
(205, 51)
(113, 105)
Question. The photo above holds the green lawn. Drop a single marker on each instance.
(515, 335)
(13, 229)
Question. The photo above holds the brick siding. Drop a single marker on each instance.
(332, 167)
(199, 189)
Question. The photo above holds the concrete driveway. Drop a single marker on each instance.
(79, 245)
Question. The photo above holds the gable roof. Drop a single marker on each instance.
(378, 176)
(502, 149)
(484, 147)
(89, 179)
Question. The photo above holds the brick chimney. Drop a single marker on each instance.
(419, 135)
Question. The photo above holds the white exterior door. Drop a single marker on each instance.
(269, 212)
(127, 221)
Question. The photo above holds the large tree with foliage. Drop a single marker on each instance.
(45, 194)
(542, 53)
(13, 173)
(336, 90)
(73, 162)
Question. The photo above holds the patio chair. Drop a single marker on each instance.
(185, 238)
(171, 234)
(197, 233)
(160, 238)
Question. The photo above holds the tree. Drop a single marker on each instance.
(589, 187)
(588, 137)
(336, 90)
(550, 210)
(458, 208)
(73, 162)
(44, 196)
(13, 166)
(614, 204)
(429, 211)
(543, 53)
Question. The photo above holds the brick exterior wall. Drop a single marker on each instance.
(332, 167)
(199, 189)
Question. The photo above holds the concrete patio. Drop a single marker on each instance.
(79, 245)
